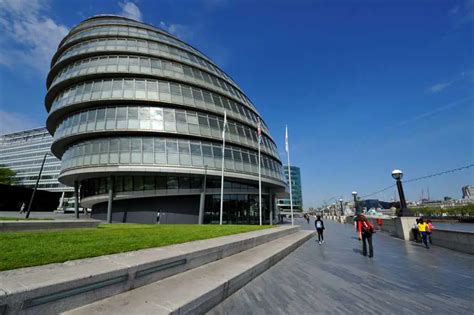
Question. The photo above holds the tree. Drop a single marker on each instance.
(7, 176)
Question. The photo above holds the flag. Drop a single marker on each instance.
(259, 131)
(286, 139)
(225, 124)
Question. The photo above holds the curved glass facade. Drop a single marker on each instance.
(132, 107)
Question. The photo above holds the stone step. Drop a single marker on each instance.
(54, 288)
(198, 290)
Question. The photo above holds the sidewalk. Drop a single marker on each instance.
(402, 278)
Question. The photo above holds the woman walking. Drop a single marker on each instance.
(430, 229)
(365, 230)
(423, 228)
(319, 224)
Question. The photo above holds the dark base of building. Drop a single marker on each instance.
(184, 209)
(163, 210)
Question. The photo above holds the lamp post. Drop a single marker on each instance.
(354, 193)
(342, 209)
(36, 185)
(398, 175)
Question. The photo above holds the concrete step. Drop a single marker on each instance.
(198, 290)
(54, 288)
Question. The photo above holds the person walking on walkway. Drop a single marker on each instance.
(415, 231)
(319, 224)
(22, 207)
(423, 228)
(365, 230)
(430, 229)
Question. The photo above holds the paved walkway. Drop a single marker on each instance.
(402, 278)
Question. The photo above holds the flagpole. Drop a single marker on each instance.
(222, 169)
(287, 147)
(259, 131)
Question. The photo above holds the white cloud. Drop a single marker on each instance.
(458, 79)
(30, 37)
(179, 30)
(439, 87)
(130, 10)
(12, 122)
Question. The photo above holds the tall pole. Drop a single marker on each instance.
(222, 169)
(355, 202)
(76, 199)
(259, 132)
(203, 197)
(36, 186)
(403, 203)
(287, 147)
(342, 208)
(111, 199)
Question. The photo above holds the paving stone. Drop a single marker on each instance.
(334, 278)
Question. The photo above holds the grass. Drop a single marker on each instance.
(22, 219)
(25, 249)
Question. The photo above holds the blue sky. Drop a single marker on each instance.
(364, 86)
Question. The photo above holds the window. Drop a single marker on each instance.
(172, 182)
(171, 146)
(132, 117)
(152, 89)
(136, 150)
(124, 151)
(117, 89)
(140, 89)
(113, 150)
(133, 61)
(169, 119)
(106, 89)
(122, 117)
(128, 91)
(110, 124)
(147, 148)
(184, 146)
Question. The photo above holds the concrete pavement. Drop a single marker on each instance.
(402, 278)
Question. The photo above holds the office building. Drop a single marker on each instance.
(297, 194)
(137, 117)
(23, 152)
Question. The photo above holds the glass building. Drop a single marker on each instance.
(23, 152)
(137, 117)
(297, 194)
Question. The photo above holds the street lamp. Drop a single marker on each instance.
(354, 193)
(342, 209)
(398, 175)
(36, 185)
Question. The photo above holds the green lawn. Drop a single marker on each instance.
(22, 219)
(24, 249)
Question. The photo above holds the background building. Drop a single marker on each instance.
(468, 192)
(137, 118)
(23, 152)
(284, 203)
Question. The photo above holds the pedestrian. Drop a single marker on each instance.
(307, 218)
(22, 208)
(430, 229)
(365, 230)
(414, 230)
(319, 224)
(423, 228)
